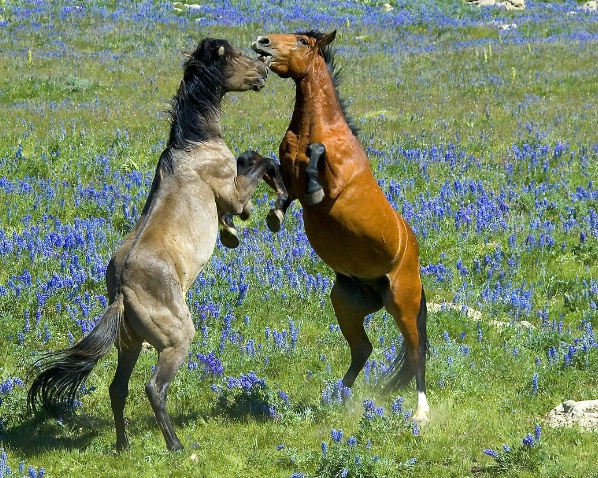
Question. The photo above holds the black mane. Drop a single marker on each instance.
(329, 57)
(198, 100)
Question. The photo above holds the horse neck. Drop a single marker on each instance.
(316, 101)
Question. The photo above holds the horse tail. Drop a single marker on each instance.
(58, 376)
(405, 366)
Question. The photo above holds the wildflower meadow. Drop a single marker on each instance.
(481, 125)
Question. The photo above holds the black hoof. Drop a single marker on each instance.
(274, 220)
(246, 213)
(229, 237)
(177, 446)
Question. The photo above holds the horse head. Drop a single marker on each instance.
(238, 71)
(290, 55)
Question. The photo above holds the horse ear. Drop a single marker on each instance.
(187, 53)
(326, 39)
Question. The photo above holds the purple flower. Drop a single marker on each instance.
(337, 435)
(537, 432)
(491, 453)
(528, 440)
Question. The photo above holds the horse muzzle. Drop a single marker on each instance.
(261, 47)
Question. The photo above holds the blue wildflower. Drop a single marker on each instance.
(491, 453)
(337, 435)
(528, 440)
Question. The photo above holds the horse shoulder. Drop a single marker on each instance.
(345, 160)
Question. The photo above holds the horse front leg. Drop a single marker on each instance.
(273, 178)
(229, 236)
(313, 189)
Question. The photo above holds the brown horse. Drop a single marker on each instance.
(195, 183)
(348, 219)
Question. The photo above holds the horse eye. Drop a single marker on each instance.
(303, 41)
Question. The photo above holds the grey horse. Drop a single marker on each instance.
(195, 184)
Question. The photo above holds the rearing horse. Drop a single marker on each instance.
(348, 219)
(195, 183)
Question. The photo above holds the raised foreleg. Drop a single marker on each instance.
(273, 178)
(313, 189)
(229, 236)
(247, 165)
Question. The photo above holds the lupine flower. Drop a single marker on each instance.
(537, 432)
(528, 440)
(337, 435)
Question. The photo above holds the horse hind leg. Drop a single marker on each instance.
(352, 301)
(169, 362)
(407, 305)
(128, 353)
(314, 194)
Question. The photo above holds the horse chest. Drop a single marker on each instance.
(293, 164)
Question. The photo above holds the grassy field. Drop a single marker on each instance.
(483, 136)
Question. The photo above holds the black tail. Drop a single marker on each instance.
(403, 369)
(58, 376)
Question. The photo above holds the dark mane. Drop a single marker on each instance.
(329, 57)
(197, 102)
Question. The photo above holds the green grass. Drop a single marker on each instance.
(84, 109)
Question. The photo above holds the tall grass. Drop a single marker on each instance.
(484, 139)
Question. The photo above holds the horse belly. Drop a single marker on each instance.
(365, 244)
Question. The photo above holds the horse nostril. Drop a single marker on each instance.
(263, 41)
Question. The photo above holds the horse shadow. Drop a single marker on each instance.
(36, 434)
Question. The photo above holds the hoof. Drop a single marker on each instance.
(229, 237)
(246, 211)
(122, 446)
(313, 198)
(421, 418)
(176, 446)
(274, 219)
